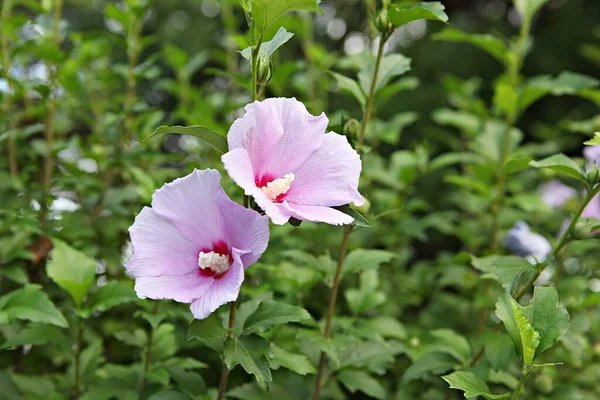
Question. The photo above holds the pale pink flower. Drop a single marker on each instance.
(281, 156)
(193, 244)
(556, 194)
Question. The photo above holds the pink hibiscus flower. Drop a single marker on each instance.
(193, 244)
(281, 156)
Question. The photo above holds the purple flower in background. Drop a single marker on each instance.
(522, 242)
(556, 194)
(281, 156)
(193, 244)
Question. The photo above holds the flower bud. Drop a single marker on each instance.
(592, 176)
(263, 70)
(352, 129)
(382, 21)
(583, 228)
(364, 209)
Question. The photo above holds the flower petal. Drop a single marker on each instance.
(244, 229)
(181, 288)
(592, 210)
(190, 204)
(591, 154)
(317, 214)
(302, 135)
(223, 290)
(238, 166)
(257, 132)
(159, 248)
(329, 177)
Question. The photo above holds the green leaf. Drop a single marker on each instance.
(207, 328)
(366, 297)
(31, 304)
(517, 164)
(267, 49)
(169, 395)
(508, 268)
(489, 43)
(251, 353)
(265, 12)
(498, 350)
(351, 86)
(365, 260)
(33, 386)
(561, 164)
(271, 313)
(471, 385)
(595, 141)
(392, 65)
(359, 220)
(111, 295)
(188, 381)
(528, 8)
(547, 316)
(36, 335)
(164, 342)
(72, 270)
(435, 363)
(506, 99)
(297, 363)
(452, 343)
(209, 136)
(524, 337)
(566, 83)
(355, 380)
(400, 15)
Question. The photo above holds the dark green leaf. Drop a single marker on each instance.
(355, 380)
(31, 304)
(210, 327)
(251, 353)
(271, 313)
(400, 15)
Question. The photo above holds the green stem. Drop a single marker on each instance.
(8, 100)
(254, 61)
(330, 311)
(225, 372)
(49, 131)
(561, 243)
(148, 351)
(76, 360)
(369, 106)
(519, 388)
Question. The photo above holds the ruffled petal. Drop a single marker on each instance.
(223, 290)
(329, 177)
(244, 229)
(190, 204)
(181, 288)
(238, 166)
(317, 214)
(159, 248)
(302, 135)
(257, 132)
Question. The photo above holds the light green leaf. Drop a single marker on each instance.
(506, 99)
(164, 342)
(188, 381)
(271, 313)
(595, 141)
(31, 304)
(267, 49)
(72, 270)
(433, 10)
(351, 86)
(111, 295)
(33, 386)
(392, 65)
(366, 259)
(517, 164)
(524, 337)
(265, 12)
(561, 164)
(547, 316)
(473, 386)
(355, 380)
(366, 297)
(566, 83)
(209, 136)
(251, 353)
(489, 43)
(528, 8)
(297, 363)
(207, 328)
